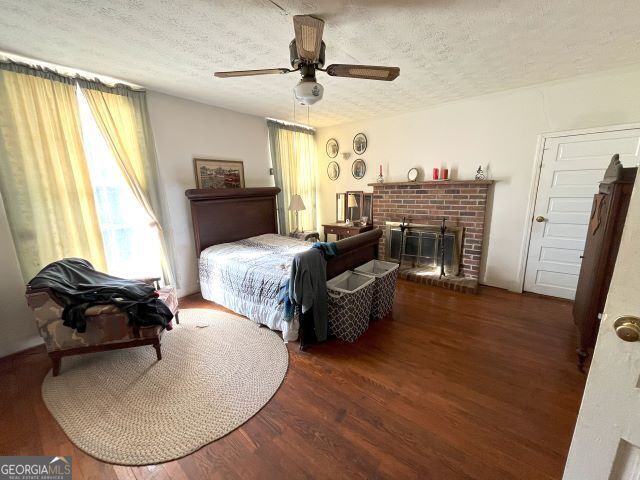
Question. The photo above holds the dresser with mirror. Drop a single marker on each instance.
(354, 212)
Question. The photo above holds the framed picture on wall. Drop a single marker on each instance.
(218, 173)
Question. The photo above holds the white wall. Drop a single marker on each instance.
(183, 129)
(498, 131)
(17, 326)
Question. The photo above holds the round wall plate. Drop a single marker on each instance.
(332, 148)
(360, 143)
(333, 170)
(358, 169)
(412, 174)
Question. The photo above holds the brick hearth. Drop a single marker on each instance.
(463, 202)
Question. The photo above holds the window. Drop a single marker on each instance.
(131, 240)
(293, 156)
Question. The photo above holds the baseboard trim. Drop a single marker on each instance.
(27, 351)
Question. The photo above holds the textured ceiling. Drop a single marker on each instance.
(446, 49)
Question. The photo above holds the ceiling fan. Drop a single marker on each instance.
(306, 51)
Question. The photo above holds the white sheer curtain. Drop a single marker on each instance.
(44, 179)
(78, 174)
(122, 117)
(293, 156)
(131, 243)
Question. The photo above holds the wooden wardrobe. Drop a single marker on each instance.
(608, 215)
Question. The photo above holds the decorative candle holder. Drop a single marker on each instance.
(380, 177)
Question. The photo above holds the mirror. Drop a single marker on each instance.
(367, 209)
(341, 207)
(361, 206)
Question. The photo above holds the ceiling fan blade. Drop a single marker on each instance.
(250, 73)
(308, 31)
(370, 72)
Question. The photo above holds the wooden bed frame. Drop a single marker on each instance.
(227, 215)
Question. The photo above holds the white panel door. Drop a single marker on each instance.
(572, 167)
(606, 440)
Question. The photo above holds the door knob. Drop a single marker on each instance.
(628, 328)
(540, 219)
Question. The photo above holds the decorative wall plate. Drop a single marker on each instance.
(360, 143)
(358, 169)
(333, 170)
(332, 148)
(412, 175)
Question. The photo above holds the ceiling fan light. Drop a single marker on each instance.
(308, 92)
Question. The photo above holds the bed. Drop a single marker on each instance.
(243, 261)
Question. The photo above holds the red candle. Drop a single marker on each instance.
(445, 173)
(380, 169)
(435, 174)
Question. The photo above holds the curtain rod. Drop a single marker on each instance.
(290, 125)
(40, 67)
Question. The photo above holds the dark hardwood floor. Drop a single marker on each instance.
(451, 386)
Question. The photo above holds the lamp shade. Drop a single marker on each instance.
(296, 203)
(351, 201)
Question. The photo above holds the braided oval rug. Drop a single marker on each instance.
(125, 407)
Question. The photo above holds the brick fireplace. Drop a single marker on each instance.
(422, 206)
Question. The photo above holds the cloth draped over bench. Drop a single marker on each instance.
(79, 286)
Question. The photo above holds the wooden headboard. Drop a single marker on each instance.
(227, 215)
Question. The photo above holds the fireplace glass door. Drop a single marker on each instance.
(420, 247)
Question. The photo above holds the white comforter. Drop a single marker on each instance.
(246, 276)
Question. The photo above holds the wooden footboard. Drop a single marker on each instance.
(353, 252)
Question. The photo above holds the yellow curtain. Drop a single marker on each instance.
(293, 156)
(44, 178)
(121, 115)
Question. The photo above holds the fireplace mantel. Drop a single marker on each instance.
(438, 182)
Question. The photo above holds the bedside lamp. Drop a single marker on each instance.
(351, 203)
(296, 205)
